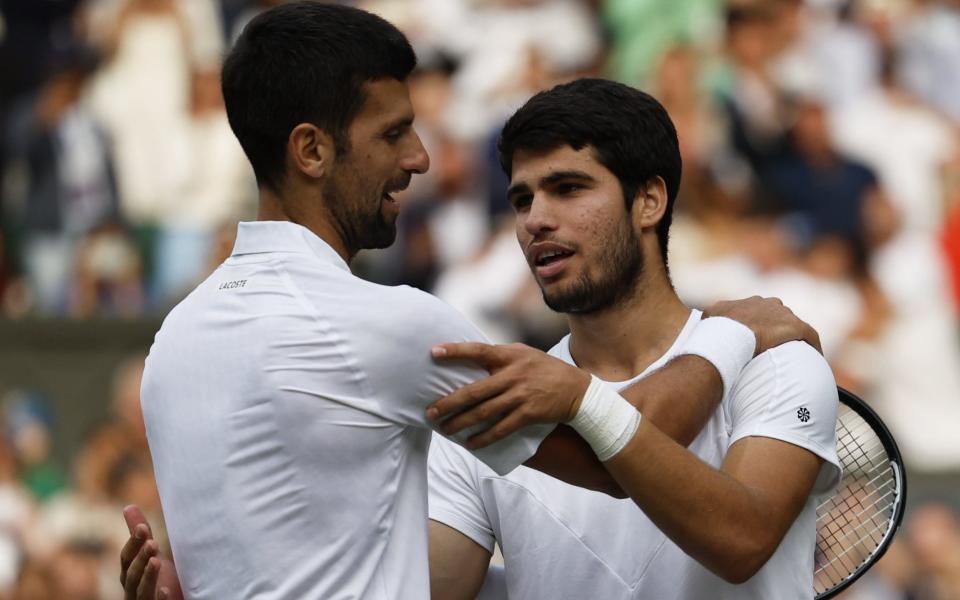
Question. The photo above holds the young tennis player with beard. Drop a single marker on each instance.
(594, 169)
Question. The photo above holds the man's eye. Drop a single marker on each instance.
(520, 202)
(568, 188)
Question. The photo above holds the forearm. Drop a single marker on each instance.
(725, 525)
(679, 398)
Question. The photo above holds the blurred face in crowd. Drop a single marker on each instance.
(579, 239)
(811, 133)
(383, 152)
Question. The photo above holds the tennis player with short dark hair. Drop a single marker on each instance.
(285, 399)
(595, 168)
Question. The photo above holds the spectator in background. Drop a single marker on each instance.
(35, 582)
(916, 153)
(643, 30)
(933, 536)
(142, 96)
(108, 275)
(76, 570)
(17, 517)
(930, 41)
(835, 52)
(59, 177)
(29, 424)
(829, 190)
(31, 30)
(755, 109)
(218, 187)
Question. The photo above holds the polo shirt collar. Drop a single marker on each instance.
(257, 237)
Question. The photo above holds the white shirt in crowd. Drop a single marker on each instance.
(560, 541)
(284, 401)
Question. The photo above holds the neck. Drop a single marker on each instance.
(277, 207)
(622, 341)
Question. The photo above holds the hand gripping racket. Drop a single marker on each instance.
(857, 523)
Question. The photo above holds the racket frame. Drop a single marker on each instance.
(859, 406)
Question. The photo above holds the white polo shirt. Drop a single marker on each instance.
(560, 541)
(284, 401)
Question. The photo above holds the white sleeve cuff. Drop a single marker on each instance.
(727, 344)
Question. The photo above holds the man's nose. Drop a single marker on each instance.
(539, 218)
(417, 160)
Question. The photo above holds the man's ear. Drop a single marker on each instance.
(650, 204)
(310, 150)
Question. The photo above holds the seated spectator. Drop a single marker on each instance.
(108, 275)
(62, 176)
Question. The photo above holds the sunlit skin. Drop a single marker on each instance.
(345, 195)
(566, 200)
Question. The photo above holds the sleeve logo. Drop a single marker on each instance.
(803, 414)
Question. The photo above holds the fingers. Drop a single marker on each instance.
(136, 570)
(813, 338)
(147, 590)
(481, 413)
(510, 423)
(467, 396)
(138, 535)
(486, 355)
(134, 516)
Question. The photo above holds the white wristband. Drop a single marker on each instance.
(605, 420)
(727, 344)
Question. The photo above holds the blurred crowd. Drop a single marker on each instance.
(61, 530)
(821, 148)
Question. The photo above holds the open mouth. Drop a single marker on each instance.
(550, 260)
(549, 257)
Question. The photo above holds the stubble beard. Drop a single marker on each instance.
(359, 217)
(620, 264)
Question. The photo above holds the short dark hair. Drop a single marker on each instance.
(305, 62)
(629, 130)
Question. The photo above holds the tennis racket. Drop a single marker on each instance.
(857, 523)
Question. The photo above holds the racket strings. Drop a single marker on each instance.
(854, 520)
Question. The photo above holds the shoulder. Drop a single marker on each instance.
(784, 380)
(791, 364)
(394, 314)
(419, 315)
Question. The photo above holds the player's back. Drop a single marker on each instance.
(281, 473)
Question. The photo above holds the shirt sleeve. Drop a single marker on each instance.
(454, 489)
(406, 378)
(788, 393)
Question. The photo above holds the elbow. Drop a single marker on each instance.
(737, 565)
(737, 574)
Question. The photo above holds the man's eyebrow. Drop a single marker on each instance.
(551, 179)
(404, 122)
(558, 176)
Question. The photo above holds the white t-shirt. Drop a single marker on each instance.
(560, 541)
(284, 401)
